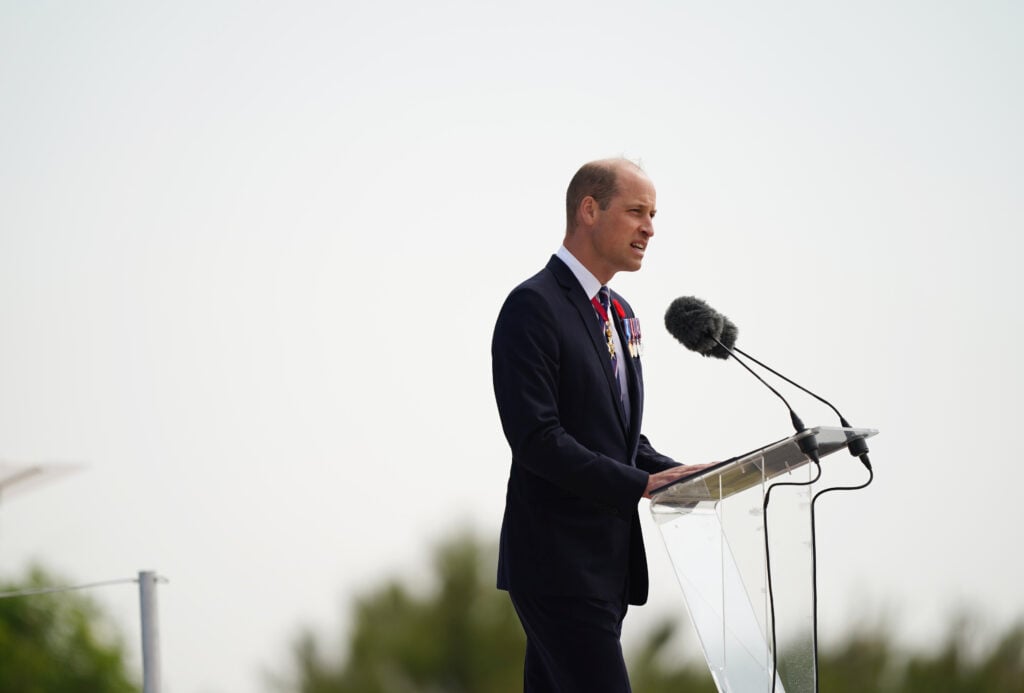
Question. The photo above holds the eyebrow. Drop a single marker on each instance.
(640, 205)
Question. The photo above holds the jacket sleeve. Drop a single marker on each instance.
(650, 460)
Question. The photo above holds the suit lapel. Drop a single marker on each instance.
(592, 325)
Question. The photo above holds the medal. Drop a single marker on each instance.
(627, 327)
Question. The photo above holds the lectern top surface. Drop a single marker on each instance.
(749, 469)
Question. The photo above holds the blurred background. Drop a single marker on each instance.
(251, 255)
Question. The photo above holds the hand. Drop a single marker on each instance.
(656, 481)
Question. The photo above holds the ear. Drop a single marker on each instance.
(588, 210)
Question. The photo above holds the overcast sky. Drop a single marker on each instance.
(251, 255)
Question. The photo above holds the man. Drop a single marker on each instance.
(569, 390)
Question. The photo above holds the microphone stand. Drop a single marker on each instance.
(857, 446)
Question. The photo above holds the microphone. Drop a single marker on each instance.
(701, 328)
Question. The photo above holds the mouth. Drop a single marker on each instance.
(639, 246)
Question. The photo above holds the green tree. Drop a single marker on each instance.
(462, 636)
(58, 643)
(864, 661)
(955, 668)
(648, 672)
(871, 660)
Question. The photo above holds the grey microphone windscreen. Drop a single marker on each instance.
(697, 325)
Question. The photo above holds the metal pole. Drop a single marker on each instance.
(150, 633)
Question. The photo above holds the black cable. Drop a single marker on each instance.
(814, 559)
(768, 564)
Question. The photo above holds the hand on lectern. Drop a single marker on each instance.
(656, 481)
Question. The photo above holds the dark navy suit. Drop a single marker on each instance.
(579, 468)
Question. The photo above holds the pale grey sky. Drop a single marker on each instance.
(251, 255)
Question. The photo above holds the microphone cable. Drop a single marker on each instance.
(814, 558)
(768, 571)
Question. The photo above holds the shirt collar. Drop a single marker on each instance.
(588, 281)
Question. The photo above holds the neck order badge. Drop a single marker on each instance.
(602, 304)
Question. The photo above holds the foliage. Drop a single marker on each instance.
(953, 668)
(57, 643)
(869, 661)
(463, 637)
(647, 673)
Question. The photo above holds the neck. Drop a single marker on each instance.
(580, 253)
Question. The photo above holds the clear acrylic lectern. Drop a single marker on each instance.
(713, 525)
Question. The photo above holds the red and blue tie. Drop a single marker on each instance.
(602, 304)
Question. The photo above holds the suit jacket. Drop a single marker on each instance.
(579, 468)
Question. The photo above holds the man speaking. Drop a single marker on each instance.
(569, 389)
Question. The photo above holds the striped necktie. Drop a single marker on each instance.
(602, 304)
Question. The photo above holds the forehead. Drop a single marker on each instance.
(635, 187)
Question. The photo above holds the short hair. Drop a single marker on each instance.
(597, 179)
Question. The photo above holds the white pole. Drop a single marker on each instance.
(150, 633)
